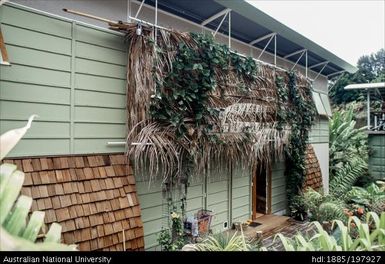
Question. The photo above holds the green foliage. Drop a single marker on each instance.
(182, 97)
(344, 178)
(371, 197)
(225, 242)
(348, 152)
(298, 208)
(172, 239)
(371, 68)
(370, 236)
(300, 118)
(323, 208)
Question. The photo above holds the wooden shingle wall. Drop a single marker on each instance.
(92, 197)
(313, 170)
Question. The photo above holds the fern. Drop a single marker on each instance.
(329, 211)
(345, 178)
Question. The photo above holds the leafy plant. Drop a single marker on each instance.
(370, 236)
(224, 242)
(300, 119)
(298, 208)
(344, 179)
(323, 208)
(172, 239)
(18, 231)
(372, 197)
(348, 145)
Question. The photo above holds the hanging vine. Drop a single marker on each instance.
(300, 118)
(211, 105)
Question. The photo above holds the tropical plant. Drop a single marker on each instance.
(372, 197)
(370, 236)
(298, 208)
(348, 152)
(323, 208)
(224, 242)
(344, 178)
(18, 231)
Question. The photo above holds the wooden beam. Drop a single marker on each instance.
(3, 50)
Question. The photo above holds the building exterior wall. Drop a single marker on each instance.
(73, 76)
(377, 158)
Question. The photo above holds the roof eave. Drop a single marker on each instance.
(254, 14)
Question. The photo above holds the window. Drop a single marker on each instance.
(322, 104)
(326, 103)
(3, 51)
(318, 104)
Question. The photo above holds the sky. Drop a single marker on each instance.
(347, 28)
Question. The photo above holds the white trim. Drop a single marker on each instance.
(365, 86)
(217, 15)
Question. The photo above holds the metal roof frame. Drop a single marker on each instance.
(319, 56)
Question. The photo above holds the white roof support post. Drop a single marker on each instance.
(319, 73)
(139, 9)
(275, 50)
(229, 14)
(336, 73)
(306, 64)
(302, 53)
(295, 53)
(220, 24)
(212, 18)
(262, 38)
(368, 107)
(318, 64)
(267, 44)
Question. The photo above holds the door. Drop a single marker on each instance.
(260, 193)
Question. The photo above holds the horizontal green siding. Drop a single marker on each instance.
(216, 186)
(154, 208)
(320, 131)
(278, 188)
(377, 157)
(240, 193)
(71, 75)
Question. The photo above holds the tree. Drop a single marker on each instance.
(371, 68)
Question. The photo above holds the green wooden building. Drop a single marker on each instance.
(71, 71)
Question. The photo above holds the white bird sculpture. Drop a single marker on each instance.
(9, 139)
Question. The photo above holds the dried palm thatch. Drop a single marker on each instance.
(244, 132)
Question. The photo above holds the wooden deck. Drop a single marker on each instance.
(270, 224)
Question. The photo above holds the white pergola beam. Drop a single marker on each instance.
(262, 38)
(318, 64)
(295, 53)
(139, 9)
(212, 18)
(336, 73)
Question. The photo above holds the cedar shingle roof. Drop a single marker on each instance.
(313, 170)
(92, 197)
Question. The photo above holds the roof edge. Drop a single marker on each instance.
(254, 14)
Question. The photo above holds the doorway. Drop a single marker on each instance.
(259, 190)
